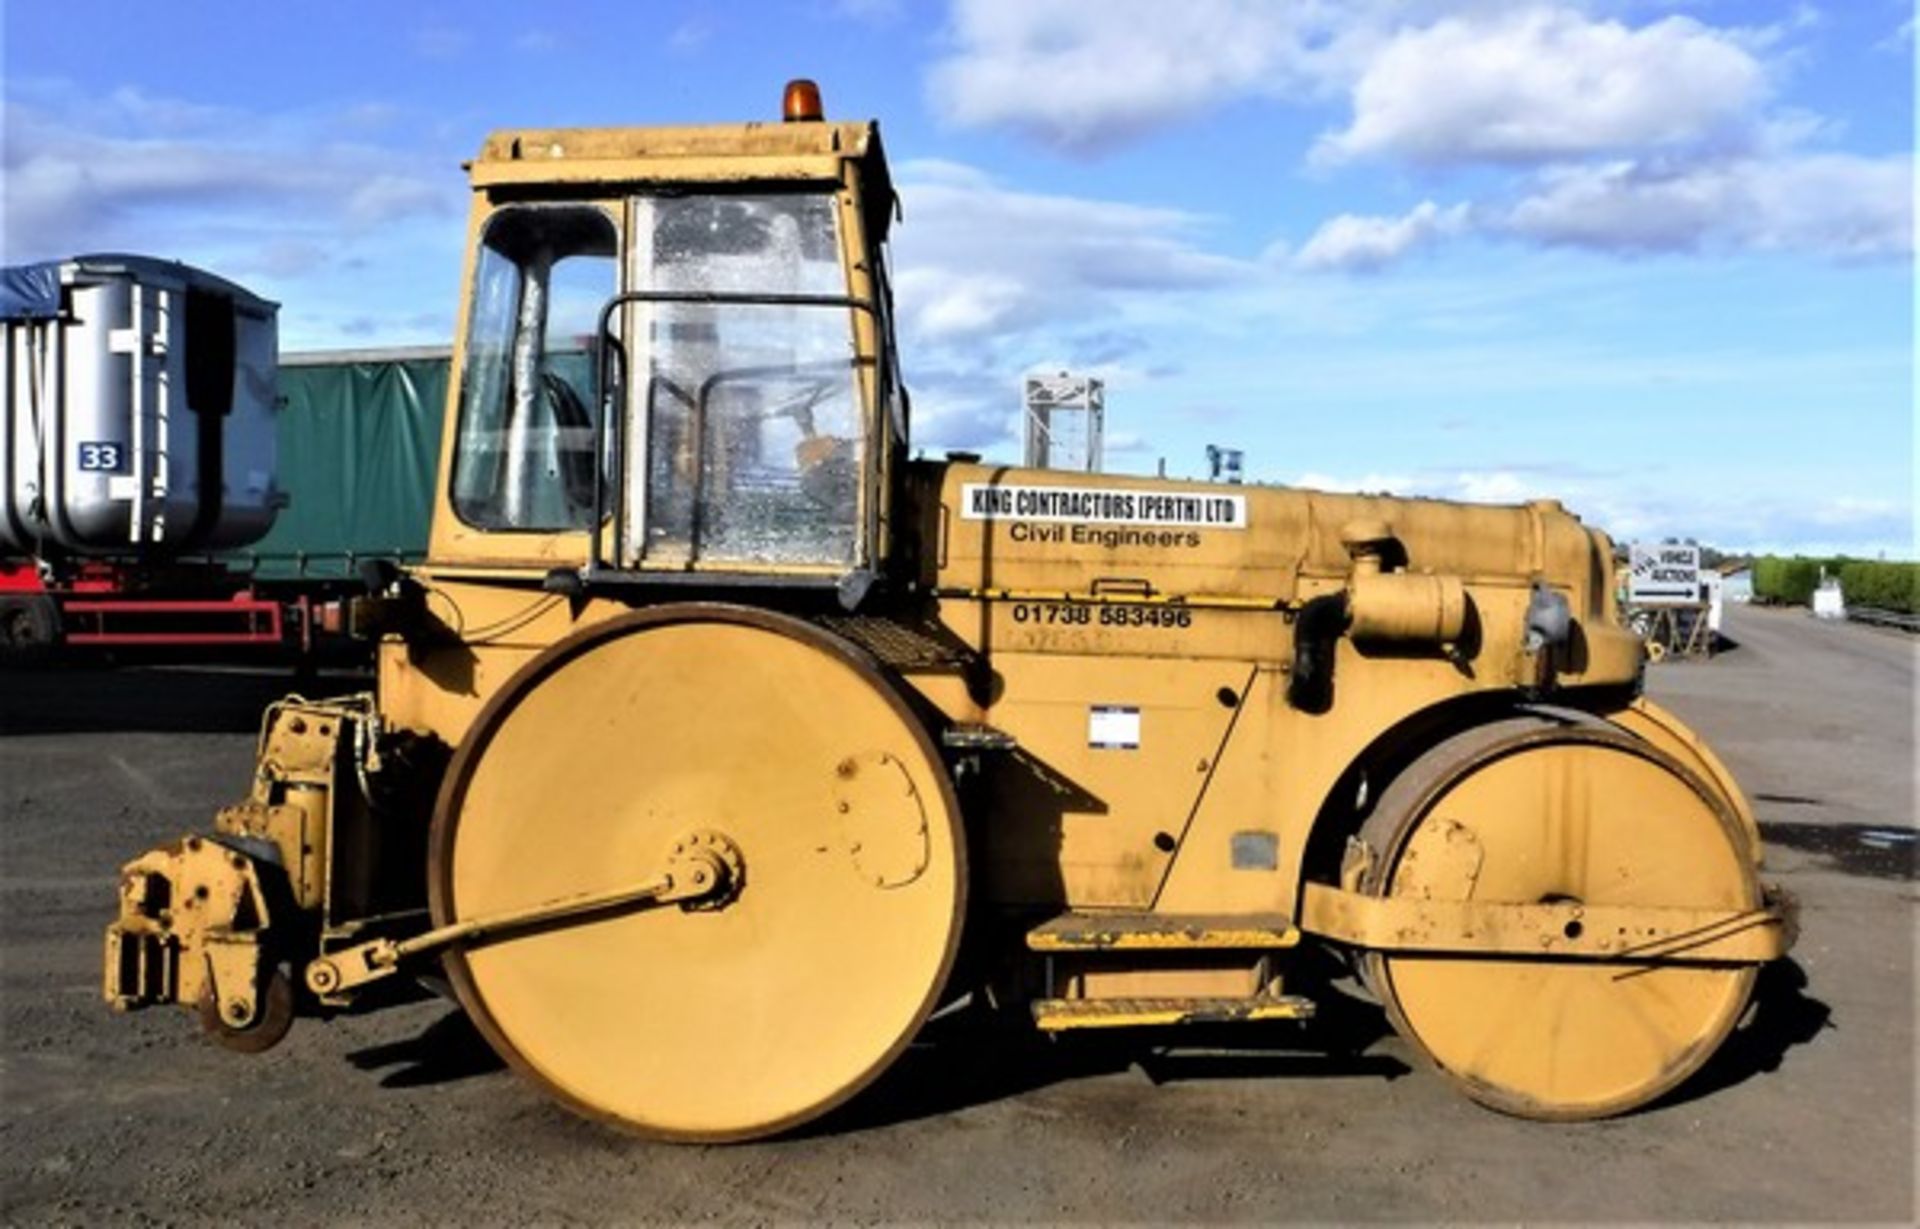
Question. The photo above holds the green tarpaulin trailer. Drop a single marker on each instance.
(359, 436)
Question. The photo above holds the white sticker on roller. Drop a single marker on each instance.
(1113, 728)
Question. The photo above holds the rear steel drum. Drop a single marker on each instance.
(1531, 811)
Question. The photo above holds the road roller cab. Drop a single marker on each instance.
(674, 356)
(713, 730)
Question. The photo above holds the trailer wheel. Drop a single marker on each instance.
(29, 627)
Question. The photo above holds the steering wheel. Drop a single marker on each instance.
(800, 405)
(576, 464)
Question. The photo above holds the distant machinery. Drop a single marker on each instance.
(1066, 422)
(1225, 464)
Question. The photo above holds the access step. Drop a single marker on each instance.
(1132, 932)
(1061, 1015)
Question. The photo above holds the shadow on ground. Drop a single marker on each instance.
(167, 699)
(448, 1049)
(1783, 1016)
(972, 1057)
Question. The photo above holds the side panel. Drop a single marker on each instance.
(1245, 847)
(1212, 808)
(479, 633)
(1112, 754)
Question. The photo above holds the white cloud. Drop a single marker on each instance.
(1582, 490)
(1843, 205)
(943, 171)
(1496, 487)
(1396, 484)
(1629, 134)
(1547, 83)
(1631, 508)
(1430, 81)
(690, 36)
(160, 115)
(442, 42)
(1086, 77)
(85, 177)
(1354, 242)
(1492, 486)
(989, 279)
(1901, 41)
(1656, 136)
(283, 258)
(944, 302)
(979, 258)
(878, 12)
(369, 117)
(276, 200)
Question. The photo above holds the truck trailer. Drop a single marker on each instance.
(167, 482)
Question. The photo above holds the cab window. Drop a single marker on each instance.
(525, 456)
(749, 412)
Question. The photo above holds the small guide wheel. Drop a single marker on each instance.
(765, 1007)
(1532, 811)
(272, 1019)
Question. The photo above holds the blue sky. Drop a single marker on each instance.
(1653, 258)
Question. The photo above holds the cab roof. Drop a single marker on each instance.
(806, 151)
(803, 139)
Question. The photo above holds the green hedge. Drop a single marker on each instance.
(1890, 586)
(1787, 580)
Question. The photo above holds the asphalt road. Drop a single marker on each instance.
(400, 1116)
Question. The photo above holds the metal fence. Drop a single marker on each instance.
(1884, 618)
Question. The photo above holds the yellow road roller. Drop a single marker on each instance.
(718, 742)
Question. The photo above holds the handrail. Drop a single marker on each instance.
(606, 345)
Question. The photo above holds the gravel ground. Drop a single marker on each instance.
(401, 1116)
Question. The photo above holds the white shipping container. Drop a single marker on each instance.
(140, 400)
